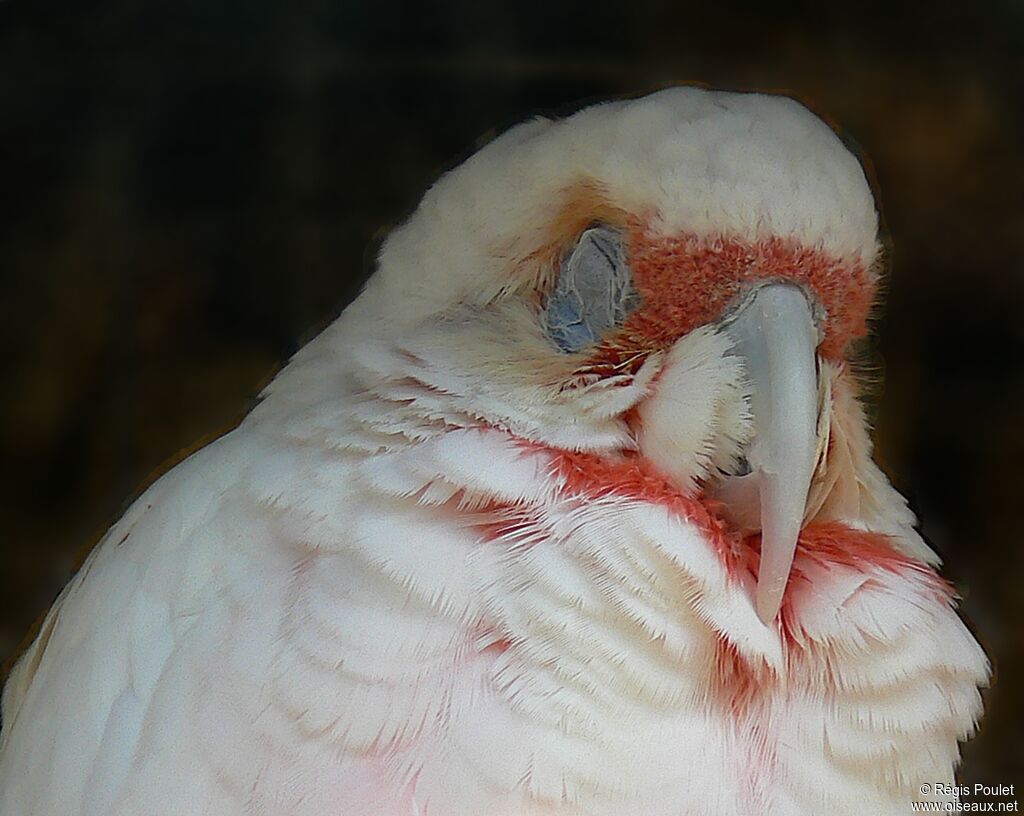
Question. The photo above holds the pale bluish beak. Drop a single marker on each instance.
(774, 333)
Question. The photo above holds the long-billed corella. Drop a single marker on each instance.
(572, 512)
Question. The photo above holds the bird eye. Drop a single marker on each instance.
(593, 293)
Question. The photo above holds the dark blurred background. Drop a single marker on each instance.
(190, 189)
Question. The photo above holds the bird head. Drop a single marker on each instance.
(675, 279)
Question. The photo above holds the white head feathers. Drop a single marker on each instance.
(686, 160)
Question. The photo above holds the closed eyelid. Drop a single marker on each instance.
(593, 292)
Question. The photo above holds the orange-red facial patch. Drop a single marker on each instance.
(687, 281)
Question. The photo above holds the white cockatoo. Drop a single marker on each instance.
(572, 511)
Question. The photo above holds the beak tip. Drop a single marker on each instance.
(767, 605)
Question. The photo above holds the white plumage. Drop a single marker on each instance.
(446, 568)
